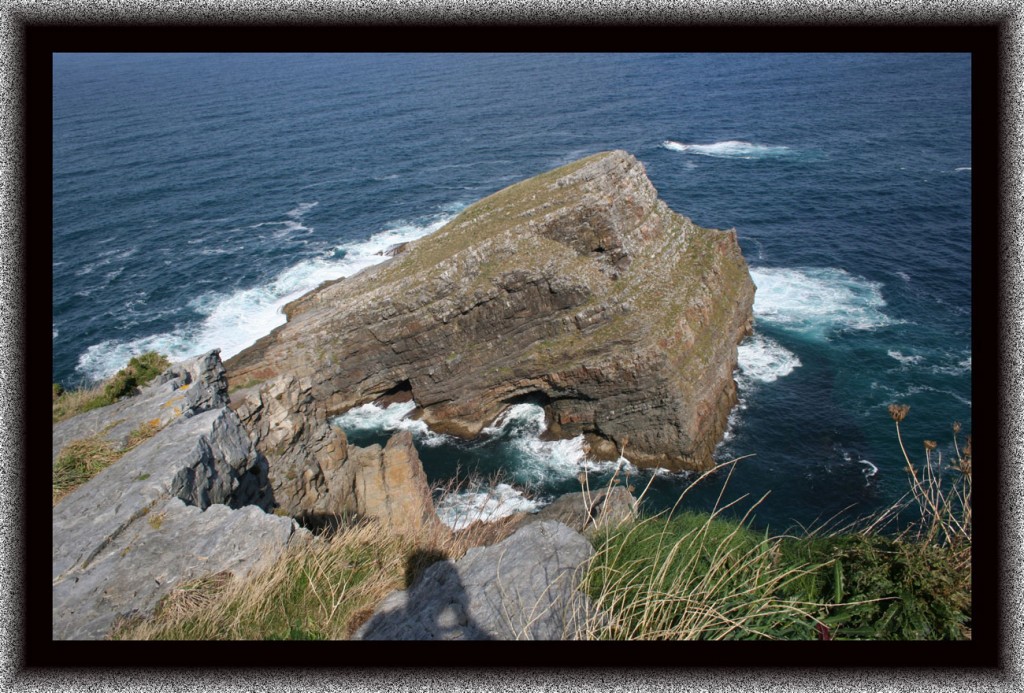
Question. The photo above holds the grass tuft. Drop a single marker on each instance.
(140, 370)
(79, 461)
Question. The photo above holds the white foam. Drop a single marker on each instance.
(301, 209)
(459, 510)
(730, 149)
(963, 168)
(961, 367)
(763, 360)
(905, 360)
(233, 321)
(817, 301)
(371, 417)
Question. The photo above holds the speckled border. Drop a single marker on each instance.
(14, 421)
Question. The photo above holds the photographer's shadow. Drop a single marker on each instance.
(434, 607)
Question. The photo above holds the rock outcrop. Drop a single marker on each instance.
(172, 544)
(186, 503)
(522, 588)
(306, 455)
(391, 486)
(194, 385)
(578, 288)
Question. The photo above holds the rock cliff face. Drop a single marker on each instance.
(578, 288)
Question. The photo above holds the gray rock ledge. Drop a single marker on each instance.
(522, 588)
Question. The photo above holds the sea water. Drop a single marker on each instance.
(195, 194)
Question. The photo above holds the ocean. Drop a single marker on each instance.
(195, 194)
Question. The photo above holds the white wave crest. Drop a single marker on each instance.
(730, 149)
(818, 300)
(905, 360)
(763, 360)
(372, 417)
(233, 321)
(459, 510)
(538, 460)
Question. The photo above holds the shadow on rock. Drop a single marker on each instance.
(435, 607)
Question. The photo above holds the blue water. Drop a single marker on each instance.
(195, 194)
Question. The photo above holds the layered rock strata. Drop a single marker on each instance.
(578, 288)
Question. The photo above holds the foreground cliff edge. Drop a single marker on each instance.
(578, 289)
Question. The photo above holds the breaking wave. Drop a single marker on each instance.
(459, 510)
(730, 149)
(235, 320)
(817, 301)
(394, 417)
(763, 360)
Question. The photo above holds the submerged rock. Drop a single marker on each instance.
(578, 289)
(522, 588)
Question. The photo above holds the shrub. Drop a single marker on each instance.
(883, 588)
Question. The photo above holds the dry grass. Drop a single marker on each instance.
(321, 590)
(79, 461)
(73, 402)
(82, 459)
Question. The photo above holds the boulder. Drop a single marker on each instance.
(522, 588)
(578, 288)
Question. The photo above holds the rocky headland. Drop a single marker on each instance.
(577, 289)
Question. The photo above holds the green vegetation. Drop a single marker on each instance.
(691, 576)
(125, 383)
(706, 577)
(322, 590)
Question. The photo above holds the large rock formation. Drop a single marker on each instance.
(578, 288)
